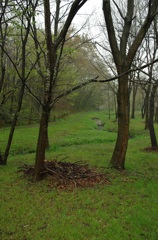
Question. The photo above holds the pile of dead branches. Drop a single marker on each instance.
(66, 175)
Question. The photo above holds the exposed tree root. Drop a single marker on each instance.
(151, 149)
(66, 175)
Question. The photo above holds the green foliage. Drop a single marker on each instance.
(126, 208)
(78, 63)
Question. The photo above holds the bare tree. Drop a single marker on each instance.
(123, 57)
(52, 67)
(26, 10)
(153, 91)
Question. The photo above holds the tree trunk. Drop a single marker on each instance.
(51, 76)
(151, 117)
(115, 107)
(2, 160)
(147, 98)
(133, 101)
(109, 110)
(156, 114)
(147, 112)
(143, 109)
(49, 83)
(14, 122)
(118, 157)
(41, 146)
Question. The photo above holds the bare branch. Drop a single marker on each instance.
(96, 80)
(77, 4)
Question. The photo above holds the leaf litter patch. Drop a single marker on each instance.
(68, 176)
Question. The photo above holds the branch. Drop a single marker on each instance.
(14, 65)
(111, 31)
(119, 10)
(34, 96)
(153, 10)
(99, 81)
(77, 4)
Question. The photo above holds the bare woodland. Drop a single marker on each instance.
(57, 68)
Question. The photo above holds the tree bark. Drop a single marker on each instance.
(151, 117)
(156, 114)
(147, 108)
(119, 153)
(41, 146)
(133, 101)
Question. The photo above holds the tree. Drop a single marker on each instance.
(153, 91)
(123, 57)
(149, 81)
(52, 48)
(26, 70)
(22, 25)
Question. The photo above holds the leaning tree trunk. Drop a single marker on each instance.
(14, 122)
(20, 97)
(118, 157)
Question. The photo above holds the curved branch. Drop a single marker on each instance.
(153, 10)
(99, 81)
(111, 31)
(77, 4)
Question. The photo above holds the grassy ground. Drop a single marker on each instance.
(125, 209)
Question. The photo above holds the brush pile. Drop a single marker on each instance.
(66, 175)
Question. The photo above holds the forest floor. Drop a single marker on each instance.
(122, 206)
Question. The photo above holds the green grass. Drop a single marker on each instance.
(125, 209)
